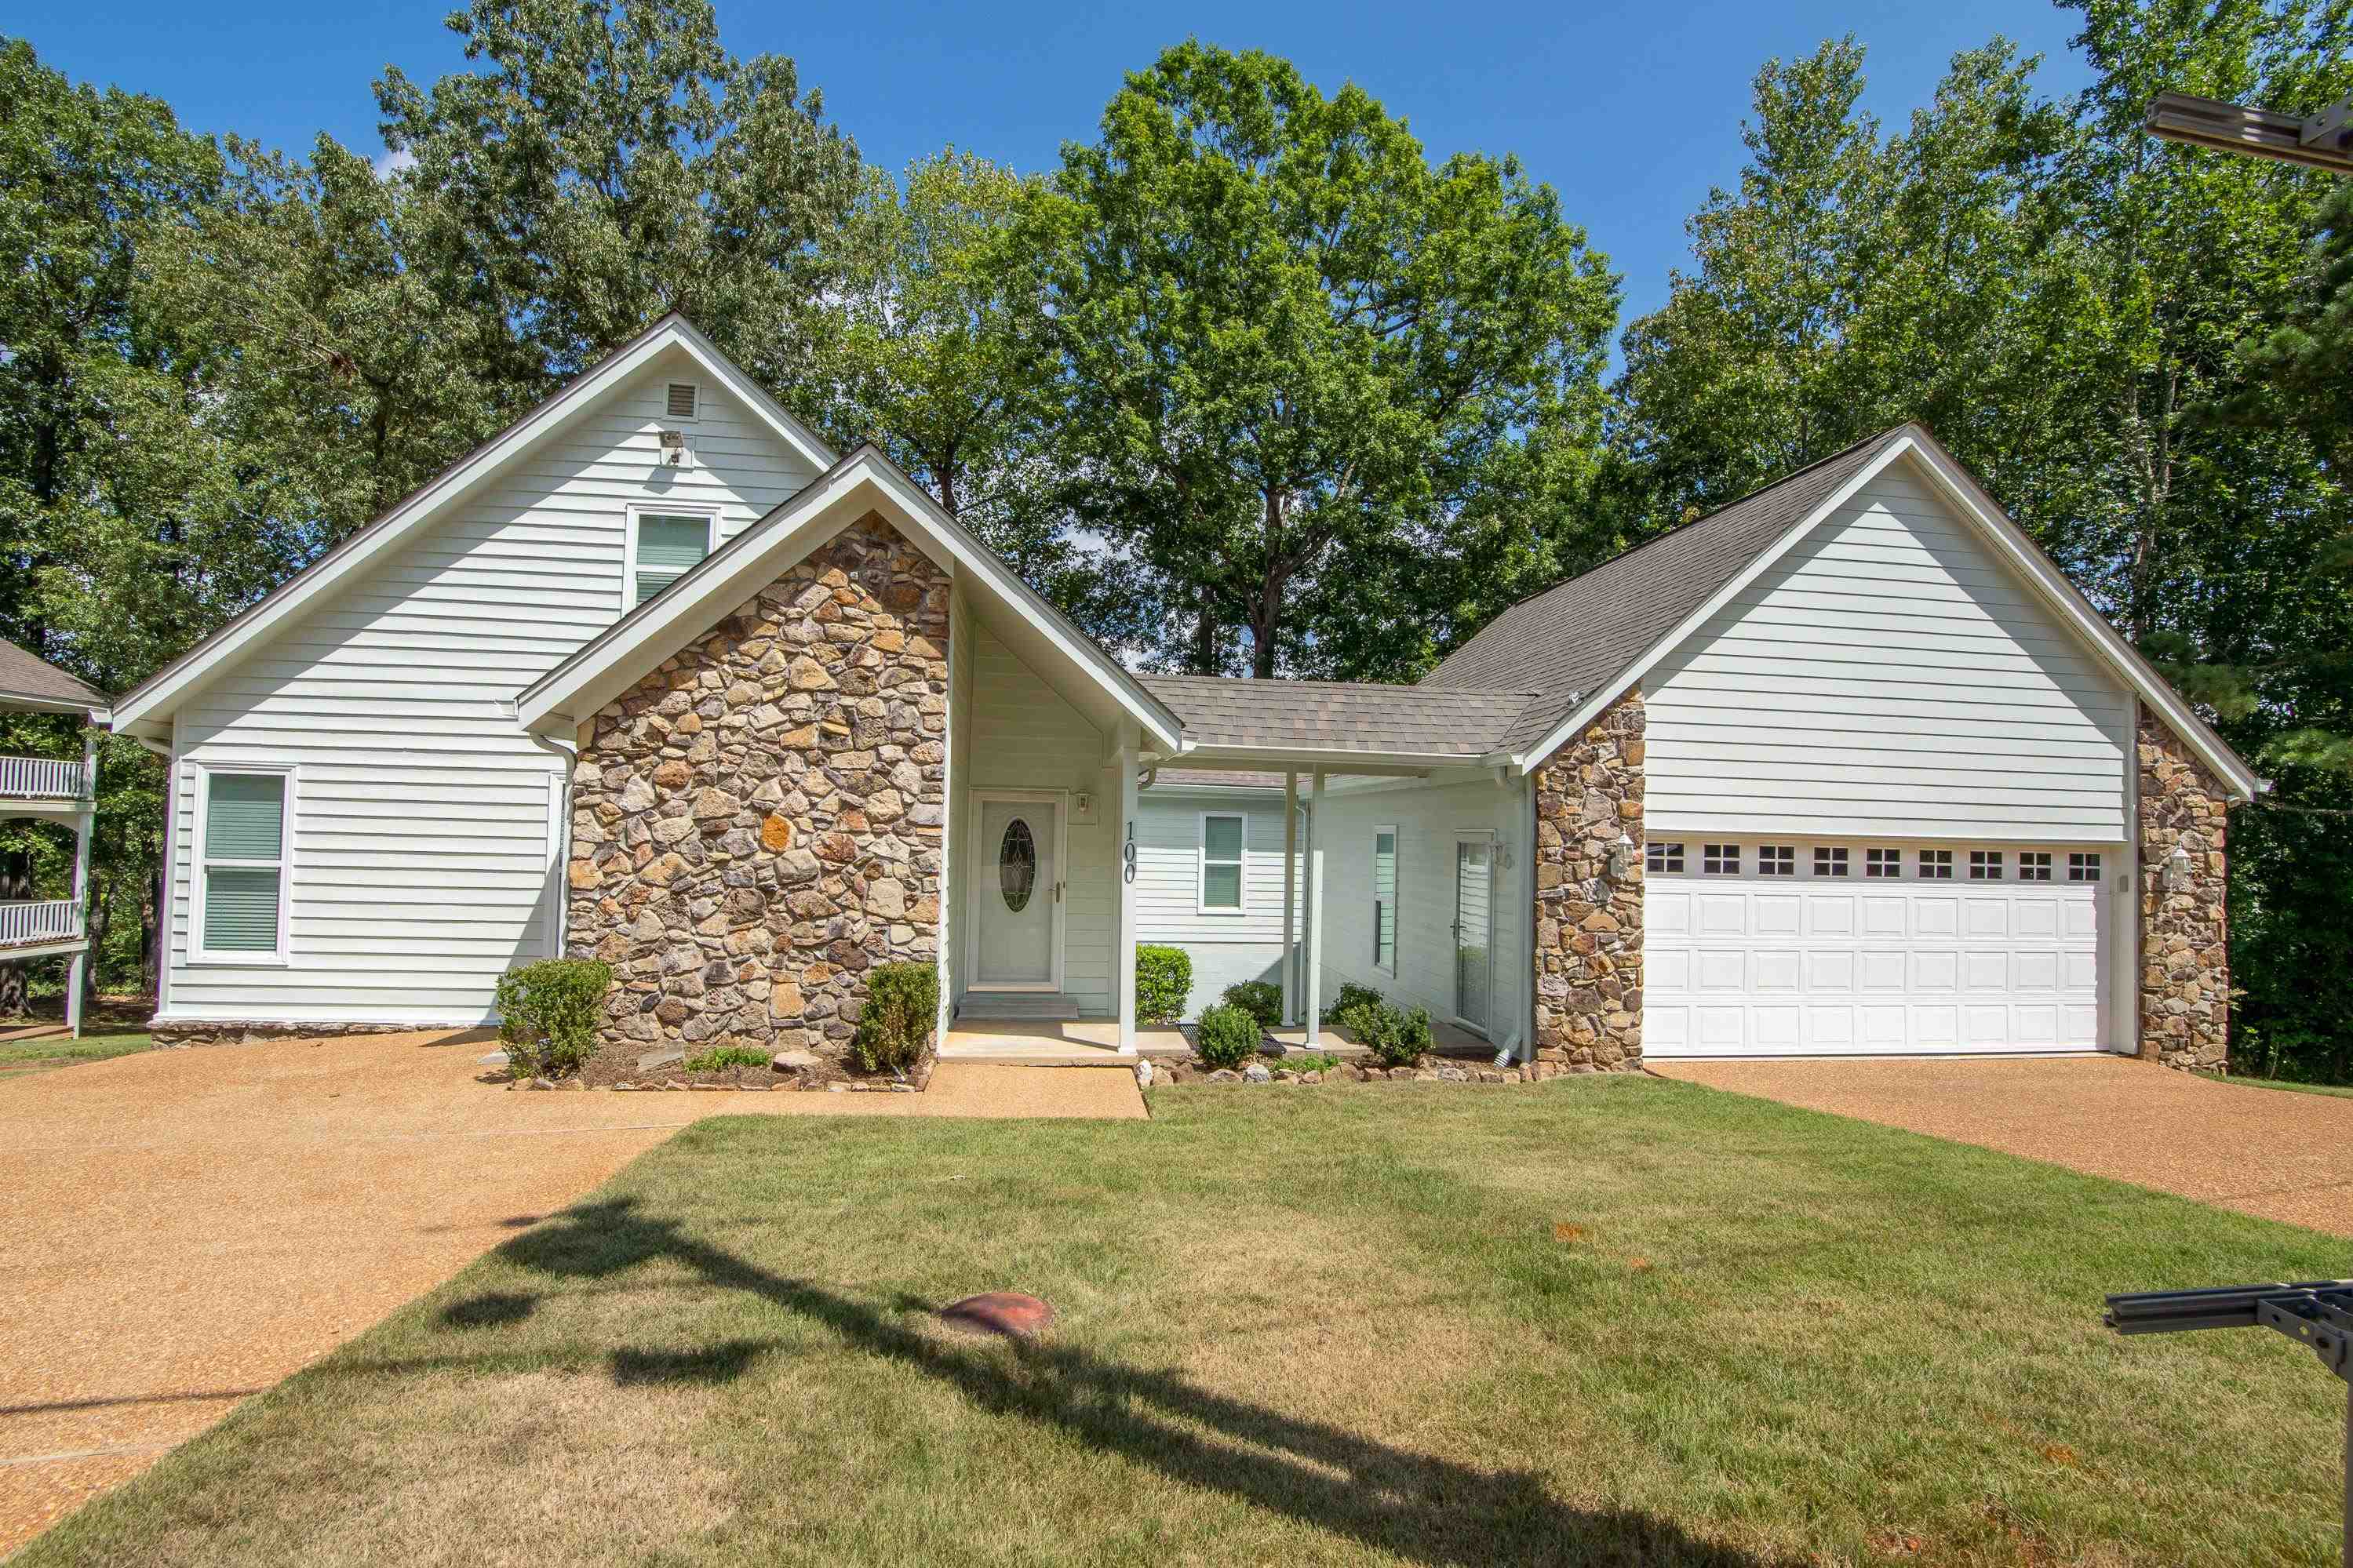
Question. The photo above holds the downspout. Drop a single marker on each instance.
(560, 917)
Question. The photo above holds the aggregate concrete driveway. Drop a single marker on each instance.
(184, 1228)
(2265, 1152)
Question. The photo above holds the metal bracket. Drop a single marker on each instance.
(2329, 126)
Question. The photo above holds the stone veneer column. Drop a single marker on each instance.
(2185, 953)
(1589, 957)
(758, 821)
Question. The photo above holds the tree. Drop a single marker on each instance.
(615, 163)
(1291, 347)
(936, 351)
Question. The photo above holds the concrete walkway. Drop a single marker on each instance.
(2264, 1152)
(187, 1228)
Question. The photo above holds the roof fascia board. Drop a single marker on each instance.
(1585, 712)
(336, 567)
(749, 562)
(2011, 542)
(616, 658)
(789, 430)
(970, 556)
(1326, 759)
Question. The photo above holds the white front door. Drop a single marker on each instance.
(1474, 929)
(1017, 894)
(1820, 948)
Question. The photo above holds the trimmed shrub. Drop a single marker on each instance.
(903, 1005)
(1261, 999)
(719, 1058)
(548, 1013)
(1390, 1032)
(1227, 1036)
(1352, 996)
(1163, 978)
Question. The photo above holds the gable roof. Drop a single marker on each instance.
(1338, 716)
(1571, 641)
(865, 481)
(26, 679)
(1580, 645)
(153, 700)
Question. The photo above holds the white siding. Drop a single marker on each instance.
(1229, 947)
(1427, 819)
(422, 855)
(1025, 736)
(1888, 677)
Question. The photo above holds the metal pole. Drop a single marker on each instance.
(1290, 971)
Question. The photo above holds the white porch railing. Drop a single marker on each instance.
(44, 920)
(43, 778)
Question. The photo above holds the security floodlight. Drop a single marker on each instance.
(673, 449)
(2323, 142)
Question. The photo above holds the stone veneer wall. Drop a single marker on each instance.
(2185, 952)
(1588, 951)
(759, 820)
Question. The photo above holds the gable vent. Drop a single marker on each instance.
(681, 400)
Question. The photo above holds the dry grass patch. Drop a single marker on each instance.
(1586, 1322)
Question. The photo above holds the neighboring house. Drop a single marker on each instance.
(51, 789)
(1845, 767)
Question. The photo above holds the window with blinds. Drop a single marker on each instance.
(1221, 862)
(244, 863)
(1385, 899)
(668, 549)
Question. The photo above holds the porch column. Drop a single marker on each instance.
(1124, 952)
(1311, 983)
(1289, 974)
(84, 820)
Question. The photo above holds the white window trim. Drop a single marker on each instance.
(1201, 867)
(198, 866)
(668, 417)
(639, 508)
(1397, 895)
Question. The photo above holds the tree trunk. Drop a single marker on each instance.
(1204, 656)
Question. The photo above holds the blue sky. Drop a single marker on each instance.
(1631, 111)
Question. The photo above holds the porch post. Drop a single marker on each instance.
(1311, 983)
(1290, 971)
(1124, 952)
(84, 820)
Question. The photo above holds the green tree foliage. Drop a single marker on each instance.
(604, 163)
(1293, 351)
(936, 353)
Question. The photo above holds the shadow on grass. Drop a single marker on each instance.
(1417, 1505)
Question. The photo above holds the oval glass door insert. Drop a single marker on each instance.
(1017, 864)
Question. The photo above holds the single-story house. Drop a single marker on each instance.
(654, 675)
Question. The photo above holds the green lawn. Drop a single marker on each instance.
(2344, 1091)
(1588, 1321)
(19, 1057)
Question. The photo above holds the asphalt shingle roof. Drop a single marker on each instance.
(1336, 715)
(1570, 641)
(22, 675)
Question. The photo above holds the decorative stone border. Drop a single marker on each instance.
(183, 1036)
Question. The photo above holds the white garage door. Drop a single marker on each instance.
(1830, 949)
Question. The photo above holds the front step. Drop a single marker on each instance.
(1017, 1004)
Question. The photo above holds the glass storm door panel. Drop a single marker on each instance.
(1019, 887)
(1474, 861)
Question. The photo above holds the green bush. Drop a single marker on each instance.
(1313, 1062)
(1390, 1032)
(548, 1013)
(1163, 978)
(1352, 996)
(1227, 1035)
(719, 1058)
(902, 1004)
(1261, 999)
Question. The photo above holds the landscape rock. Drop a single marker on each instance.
(1256, 1072)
